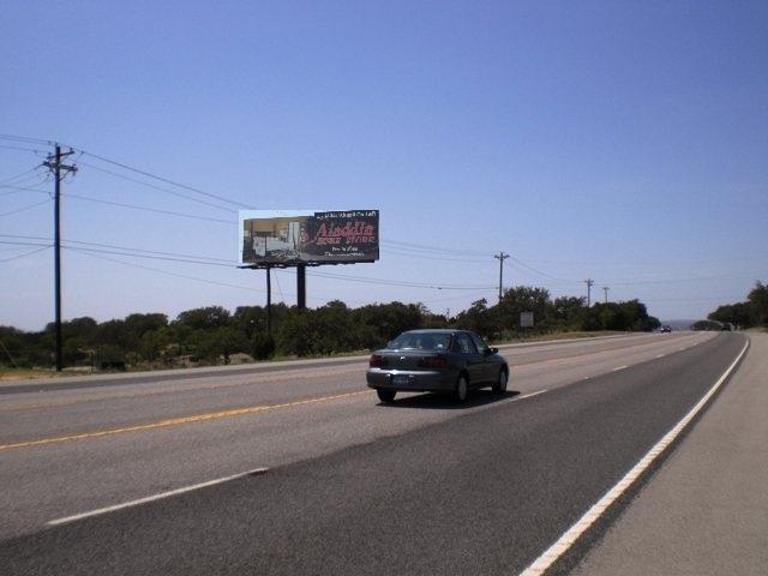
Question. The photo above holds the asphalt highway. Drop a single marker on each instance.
(340, 484)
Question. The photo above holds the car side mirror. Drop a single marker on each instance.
(489, 351)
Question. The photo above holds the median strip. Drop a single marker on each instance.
(179, 421)
(160, 496)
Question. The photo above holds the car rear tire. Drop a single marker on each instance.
(462, 389)
(386, 395)
(500, 386)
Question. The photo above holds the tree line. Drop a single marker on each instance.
(212, 334)
(749, 314)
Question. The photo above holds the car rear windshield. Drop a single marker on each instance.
(423, 341)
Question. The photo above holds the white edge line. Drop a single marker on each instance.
(620, 368)
(160, 496)
(531, 395)
(564, 543)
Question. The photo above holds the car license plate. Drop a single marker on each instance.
(400, 380)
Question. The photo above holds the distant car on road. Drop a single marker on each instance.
(666, 328)
(453, 361)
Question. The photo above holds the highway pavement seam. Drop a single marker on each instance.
(156, 497)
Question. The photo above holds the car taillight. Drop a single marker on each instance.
(375, 361)
(434, 362)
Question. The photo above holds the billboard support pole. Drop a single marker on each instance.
(269, 302)
(301, 286)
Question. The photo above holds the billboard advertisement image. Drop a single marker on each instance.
(292, 237)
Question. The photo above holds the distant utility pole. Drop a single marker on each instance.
(501, 257)
(53, 163)
(605, 289)
(589, 282)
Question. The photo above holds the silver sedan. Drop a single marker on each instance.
(453, 361)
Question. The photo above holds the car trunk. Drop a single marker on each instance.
(405, 360)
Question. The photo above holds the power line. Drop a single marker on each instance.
(184, 276)
(438, 249)
(147, 209)
(149, 256)
(17, 189)
(124, 248)
(20, 175)
(166, 180)
(385, 282)
(25, 254)
(21, 148)
(25, 208)
(12, 243)
(158, 188)
(26, 139)
(433, 257)
(540, 272)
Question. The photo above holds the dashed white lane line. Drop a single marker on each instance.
(564, 543)
(160, 496)
(620, 368)
(660, 355)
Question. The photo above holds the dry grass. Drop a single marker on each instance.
(25, 373)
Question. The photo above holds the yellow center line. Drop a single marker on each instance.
(179, 421)
(104, 393)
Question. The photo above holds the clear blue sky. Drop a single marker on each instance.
(621, 141)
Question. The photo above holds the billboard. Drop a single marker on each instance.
(291, 237)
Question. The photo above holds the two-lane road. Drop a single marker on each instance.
(351, 486)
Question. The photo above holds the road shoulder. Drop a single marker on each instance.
(706, 510)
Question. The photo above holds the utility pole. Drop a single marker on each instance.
(269, 300)
(589, 282)
(605, 289)
(53, 163)
(501, 257)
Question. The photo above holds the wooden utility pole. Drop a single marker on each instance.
(53, 163)
(501, 257)
(589, 282)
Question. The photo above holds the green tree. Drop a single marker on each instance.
(480, 319)
(567, 311)
(524, 299)
(758, 301)
(208, 318)
(739, 314)
(12, 347)
(379, 323)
